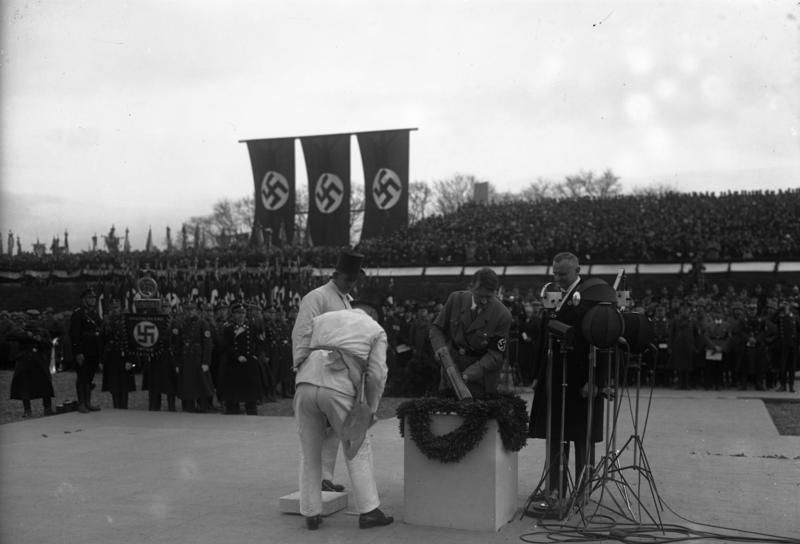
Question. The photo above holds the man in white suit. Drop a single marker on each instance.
(345, 346)
(334, 295)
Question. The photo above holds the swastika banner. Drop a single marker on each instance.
(145, 334)
(385, 159)
(274, 176)
(328, 167)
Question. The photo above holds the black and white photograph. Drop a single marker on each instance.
(456, 271)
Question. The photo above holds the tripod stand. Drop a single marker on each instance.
(609, 476)
(543, 501)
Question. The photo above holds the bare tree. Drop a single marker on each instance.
(586, 184)
(356, 211)
(538, 190)
(419, 201)
(227, 218)
(450, 194)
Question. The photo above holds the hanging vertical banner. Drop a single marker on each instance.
(273, 173)
(385, 159)
(328, 167)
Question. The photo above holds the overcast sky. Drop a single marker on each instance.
(130, 112)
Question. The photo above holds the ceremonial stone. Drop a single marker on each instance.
(479, 493)
(332, 502)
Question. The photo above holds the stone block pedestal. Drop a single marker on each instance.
(479, 493)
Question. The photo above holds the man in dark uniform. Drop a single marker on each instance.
(84, 333)
(473, 327)
(194, 382)
(239, 373)
(576, 358)
(118, 378)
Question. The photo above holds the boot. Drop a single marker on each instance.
(79, 390)
(88, 394)
(47, 405)
(26, 407)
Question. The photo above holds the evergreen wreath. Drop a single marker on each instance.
(509, 411)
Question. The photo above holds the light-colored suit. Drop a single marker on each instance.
(325, 298)
(325, 392)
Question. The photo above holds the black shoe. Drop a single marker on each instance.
(328, 485)
(376, 518)
(313, 522)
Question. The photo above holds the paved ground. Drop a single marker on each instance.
(134, 476)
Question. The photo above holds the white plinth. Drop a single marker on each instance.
(332, 501)
(479, 493)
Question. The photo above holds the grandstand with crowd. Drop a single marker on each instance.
(717, 275)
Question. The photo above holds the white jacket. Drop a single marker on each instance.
(350, 334)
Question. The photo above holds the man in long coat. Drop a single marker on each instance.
(194, 381)
(239, 374)
(576, 358)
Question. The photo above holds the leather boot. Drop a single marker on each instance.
(88, 393)
(79, 390)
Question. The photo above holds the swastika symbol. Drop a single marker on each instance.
(386, 188)
(274, 190)
(146, 334)
(328, 193)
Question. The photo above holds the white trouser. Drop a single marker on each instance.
(330, 448)
(313, 407)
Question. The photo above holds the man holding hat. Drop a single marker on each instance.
(334, 295)
(473, 327)
(345, 365)
(84, 332)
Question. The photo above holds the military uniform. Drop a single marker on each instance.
(31, 379)
(194, 381)
(85, 335)
(239, 380)
(477, 343)
(117, 379)
(788, 341)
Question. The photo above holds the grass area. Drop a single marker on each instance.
(64, 386)
(785, 414)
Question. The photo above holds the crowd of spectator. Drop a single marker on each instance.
(666, 227)
(670, 227)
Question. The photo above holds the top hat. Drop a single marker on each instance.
(350, 263)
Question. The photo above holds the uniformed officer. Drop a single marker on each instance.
(84, 333)
(31, 379)
(474, 327)
(239, 374)
(118, 376)
(194, 381)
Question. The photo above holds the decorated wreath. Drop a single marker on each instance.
(509, 411)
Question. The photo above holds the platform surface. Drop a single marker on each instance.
(135, 477)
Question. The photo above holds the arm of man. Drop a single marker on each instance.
(377, 372)
(492, 361)
(310, 307)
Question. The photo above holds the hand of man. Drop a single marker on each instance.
(79, 359)
(442, 352)
(242, 359)
(204, 367)
(128, 366)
